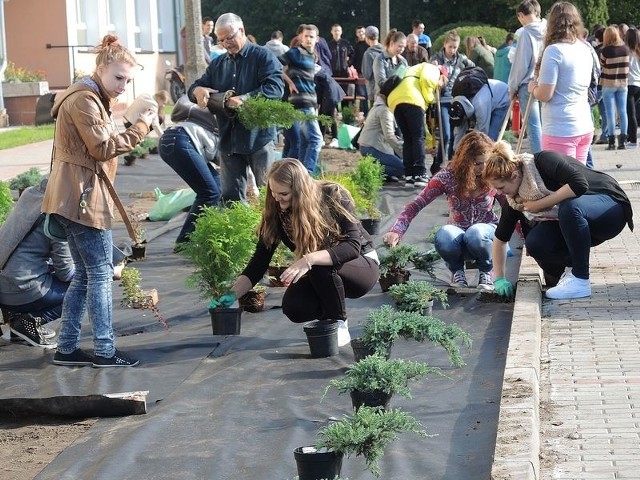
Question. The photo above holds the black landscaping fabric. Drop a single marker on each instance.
(236, 407)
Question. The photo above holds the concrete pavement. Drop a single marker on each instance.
(571, 381)
(569, 403)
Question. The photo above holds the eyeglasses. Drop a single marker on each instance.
(228, 39)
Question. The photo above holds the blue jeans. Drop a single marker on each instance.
(583, 222)
(90, 289)
(178, 151)
(602, 110)
(393, 165)
(445, 109)
(615, 98)
(311, 141)
(534, 126)
(291, 147)
(233, 171)
(455, 245)
(590, 159)
(411, 121)
(497, 119)
(49, 307)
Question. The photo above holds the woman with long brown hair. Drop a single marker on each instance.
(562, 85)
(614, 58)
(469, 234)
(335, 258)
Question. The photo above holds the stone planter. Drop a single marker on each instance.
(20, 100)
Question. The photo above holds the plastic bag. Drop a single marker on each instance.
(345, 135)
(169, 205)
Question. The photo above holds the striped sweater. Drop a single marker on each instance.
(301, 69)
(615, 66)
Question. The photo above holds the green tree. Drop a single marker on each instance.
(623, 11)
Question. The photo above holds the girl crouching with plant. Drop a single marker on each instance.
(334, 255)
(564, 208)
(472, 221)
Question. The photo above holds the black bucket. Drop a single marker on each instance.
(360, 350)
(314, 465)
(217, 103)
(370, 399)
(225, 321)
(322, 338)
(371, 225)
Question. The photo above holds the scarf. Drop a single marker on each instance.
(532, 187)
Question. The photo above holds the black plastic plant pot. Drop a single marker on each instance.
(360, 350)
(371, 225)
(322, 338)
(394, 279)
(314, 465)
(370, 399)
(138, 252)
(225, 321)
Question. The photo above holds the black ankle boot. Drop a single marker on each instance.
(621, 139)
(612, 142)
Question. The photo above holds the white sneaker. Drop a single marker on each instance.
(570, 287)
(334, 143)
(344, 337)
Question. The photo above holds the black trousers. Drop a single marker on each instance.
(321, 293)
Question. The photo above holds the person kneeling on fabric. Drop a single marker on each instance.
(35, 271)
(378, 139)
(335, 257)
(564, 208)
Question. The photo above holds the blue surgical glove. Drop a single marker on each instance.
(503, 287)
(225, 301)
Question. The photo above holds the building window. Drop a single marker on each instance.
(142, 27)
(166, 27)
(87, 23)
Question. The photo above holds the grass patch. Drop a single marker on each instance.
(25, 135)
(15, 137)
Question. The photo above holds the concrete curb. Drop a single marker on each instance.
(516, 455)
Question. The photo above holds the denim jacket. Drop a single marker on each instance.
(253, 71)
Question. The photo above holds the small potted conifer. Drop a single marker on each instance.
(417, 296)
(220, 246)
(394, 265)
(367, 432)
(373, 380)
(368, 177)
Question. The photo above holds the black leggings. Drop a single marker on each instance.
(320, 294)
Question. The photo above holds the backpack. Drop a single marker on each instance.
(469, 82)
(390, 84)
